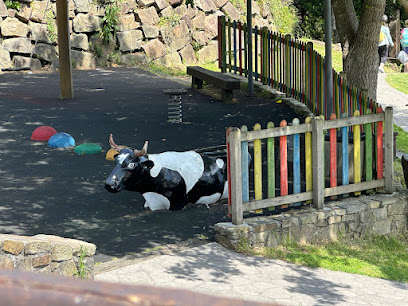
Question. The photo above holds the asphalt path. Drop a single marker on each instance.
(57, 192)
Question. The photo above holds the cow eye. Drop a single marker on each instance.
(131, 166)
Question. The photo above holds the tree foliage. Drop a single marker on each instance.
(311, 15)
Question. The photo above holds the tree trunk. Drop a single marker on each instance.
(359, 41)
(404, 4)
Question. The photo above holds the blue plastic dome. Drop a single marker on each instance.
(61, 140)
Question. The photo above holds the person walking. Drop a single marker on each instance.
(385, 41)
(404, 37)
(404, 43)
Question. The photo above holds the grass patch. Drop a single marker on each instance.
(402, 139)
(399, 173)
(337, 56)
(399, 81)
(152, 67)
(382, 257)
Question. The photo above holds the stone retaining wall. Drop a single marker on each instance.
(352, 217)
(166, 32)
(46, 254)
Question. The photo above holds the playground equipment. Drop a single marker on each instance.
(43, 133)
(175, 112)
(61, 140)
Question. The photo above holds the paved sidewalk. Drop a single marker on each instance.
(389, 96)
(215, 270)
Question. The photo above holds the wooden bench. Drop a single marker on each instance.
(225, 82)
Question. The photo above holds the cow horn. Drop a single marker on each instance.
(113, 144)
(141, 152)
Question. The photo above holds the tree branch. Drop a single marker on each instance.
(346, 19)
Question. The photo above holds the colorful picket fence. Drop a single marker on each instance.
(369, 172)
(288, 65)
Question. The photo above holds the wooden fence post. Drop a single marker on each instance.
(389, 149)
(235, 179)
(65, 65)
(318, 165)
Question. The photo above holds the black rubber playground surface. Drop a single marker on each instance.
(57, 192)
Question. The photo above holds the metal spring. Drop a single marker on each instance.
(175, 114)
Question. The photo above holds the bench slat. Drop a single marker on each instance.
(217, 78)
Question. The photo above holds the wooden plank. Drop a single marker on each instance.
(271, 165)
(219, 43)
(229, 46)
(234, 140)
(368, 150)
(283, 157)
(235, 46)
(229, 171)
(345, 189)
(318, 165)
(379, 136)
(345, 155)
(219, 79)
(357, 152)
(258, 166)
(30, 288)
(308, 158)
(277, 132)
(389, 150)
(292, 198)
(245, 167)
(349, 121)
(333, 154)
(240, 47)
(296, 161)
(64, 44)
(305, 196)
(224, 45)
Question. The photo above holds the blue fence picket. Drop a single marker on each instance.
(296, 162)
(345, 155)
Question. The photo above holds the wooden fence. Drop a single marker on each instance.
(378, 152)
(288, 65)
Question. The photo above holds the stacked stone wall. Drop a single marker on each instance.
(350, 218)
(166, 32)
(47, 254)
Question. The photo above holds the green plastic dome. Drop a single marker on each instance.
(88, 148)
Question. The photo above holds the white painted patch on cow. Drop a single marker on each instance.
(156, 201)
(209, 199)
(225, 192)
(122, 157)
(220, 163)
(189, 164)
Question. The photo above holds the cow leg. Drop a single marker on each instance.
(156, 201)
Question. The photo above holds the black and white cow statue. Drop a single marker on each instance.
(169, 180)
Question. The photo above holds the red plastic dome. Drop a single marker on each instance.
(43, 133)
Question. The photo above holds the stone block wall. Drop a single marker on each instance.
(167, 32)
(46, 254)
(349, 218)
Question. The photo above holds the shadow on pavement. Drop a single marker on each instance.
(58, 192)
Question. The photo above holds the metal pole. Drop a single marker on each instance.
(249, 27)
(328, 57)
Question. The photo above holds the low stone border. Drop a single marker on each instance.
(352, 217)
(47, 254)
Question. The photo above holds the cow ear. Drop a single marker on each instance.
(148, 164)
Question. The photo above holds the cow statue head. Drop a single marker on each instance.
(129, 167)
